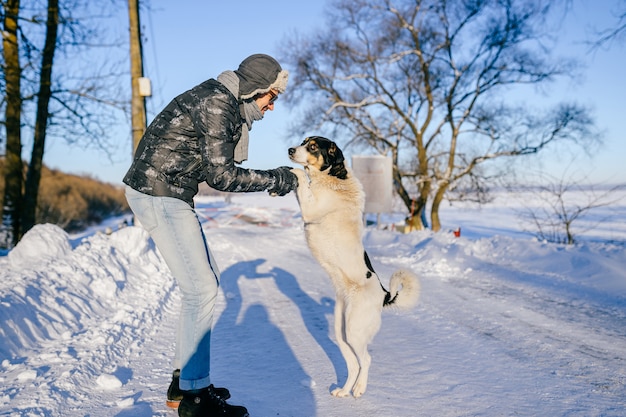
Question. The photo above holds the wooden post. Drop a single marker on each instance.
(138, 102)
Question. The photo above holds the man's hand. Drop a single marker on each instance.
(285, 181)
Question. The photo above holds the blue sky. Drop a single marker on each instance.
(191, 40)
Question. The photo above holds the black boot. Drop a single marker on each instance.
(174, 394)
(206, 403)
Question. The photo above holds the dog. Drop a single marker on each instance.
(332, 202)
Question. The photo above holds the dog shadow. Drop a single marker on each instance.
(266, 366)
(314, 314)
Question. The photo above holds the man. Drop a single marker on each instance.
(200, 136)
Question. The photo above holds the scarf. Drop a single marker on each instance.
(248, 110)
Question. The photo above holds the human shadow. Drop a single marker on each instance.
(252, 355)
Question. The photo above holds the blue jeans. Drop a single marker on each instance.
(177, 233)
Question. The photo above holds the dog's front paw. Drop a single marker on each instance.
(303, 178)
(298, 173)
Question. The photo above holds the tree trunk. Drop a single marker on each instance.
(13, 175)
(33, 178)
(434, 211)
(423, 199)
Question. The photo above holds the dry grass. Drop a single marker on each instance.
(74, 202)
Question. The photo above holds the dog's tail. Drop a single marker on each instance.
(404, 290)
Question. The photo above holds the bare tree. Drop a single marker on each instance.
(615, 32)
(76, 103)
(554, 206)
(426, 82)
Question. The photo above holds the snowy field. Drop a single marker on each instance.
(507, 325)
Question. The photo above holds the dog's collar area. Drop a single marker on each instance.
(306, 171)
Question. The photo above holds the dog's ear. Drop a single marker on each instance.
(335, 153)
(336, 160)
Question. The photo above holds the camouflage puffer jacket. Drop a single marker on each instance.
(193, 140)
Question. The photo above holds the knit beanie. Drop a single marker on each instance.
(259, 74)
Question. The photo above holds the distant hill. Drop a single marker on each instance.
(73, 202)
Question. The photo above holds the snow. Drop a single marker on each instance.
(507, 325)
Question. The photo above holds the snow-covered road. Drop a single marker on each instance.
(506, 326)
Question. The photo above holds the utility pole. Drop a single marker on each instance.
(140, 85)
